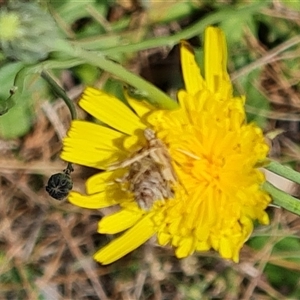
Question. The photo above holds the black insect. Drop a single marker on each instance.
(60, 184)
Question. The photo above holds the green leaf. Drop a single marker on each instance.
(282, 199)
(282, 278)
(17, 121)
(88, 74)
(168, 11)
(71, 11)
(258, 242)
(234, 28)
(257, 105)
(115, 88)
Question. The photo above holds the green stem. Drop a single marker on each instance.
(69, 169)
(20, 78)
(60, 93)
(39, 68)
(156, 96)
(284, 171)
(125, 44)
(282, 199)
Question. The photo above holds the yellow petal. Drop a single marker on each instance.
(110, 110)
(129, 241)
(265, 220)
(203, 246)
(236, 255)
(185, 248)
(92, 145)
(94, 201)
(215, 60)
(135, 142)
(193, 80)
(100, 182)
(247, 227)
(226, 248)
(163, 238)
(96, 158)
(119, 221)
(101, 136)
(141, 107)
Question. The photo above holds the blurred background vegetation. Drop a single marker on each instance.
(46, 245)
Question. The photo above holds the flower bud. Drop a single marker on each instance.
(27, 32)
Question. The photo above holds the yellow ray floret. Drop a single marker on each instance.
(110, 110)
(190, 70)
(133, 238)
(215, 62)
(93, 145)
(119, 221)
(94, 201)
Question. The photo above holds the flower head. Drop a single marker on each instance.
(194, 184)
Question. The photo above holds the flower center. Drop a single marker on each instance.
(214, 168)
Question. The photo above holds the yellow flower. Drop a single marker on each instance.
(216, 192)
